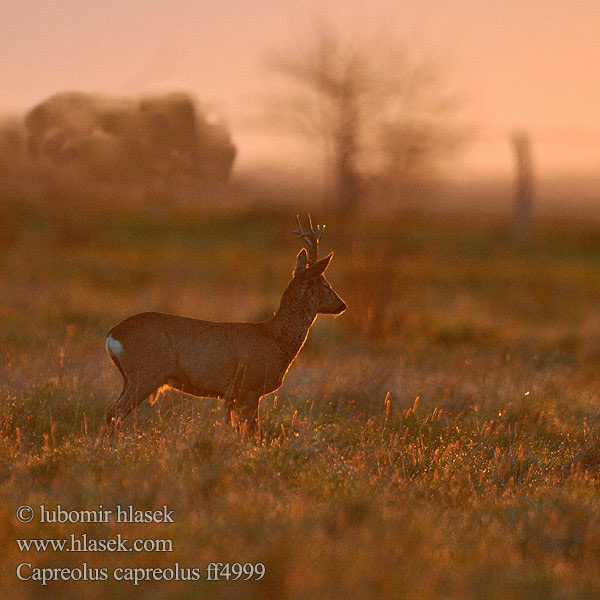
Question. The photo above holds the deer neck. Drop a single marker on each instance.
(290, 327)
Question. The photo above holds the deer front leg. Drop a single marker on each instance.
(243, 414)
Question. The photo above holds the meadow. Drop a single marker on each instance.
(438, 440)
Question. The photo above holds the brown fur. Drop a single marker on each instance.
(238, 362)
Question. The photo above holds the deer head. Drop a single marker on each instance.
(309, 279)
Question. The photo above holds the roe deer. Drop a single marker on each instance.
(237, 362)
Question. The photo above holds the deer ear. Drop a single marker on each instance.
(319, 267)
(301, 262)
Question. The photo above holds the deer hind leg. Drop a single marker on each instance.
(110, 413)
(133, 394)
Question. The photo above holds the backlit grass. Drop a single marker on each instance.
(439, 440)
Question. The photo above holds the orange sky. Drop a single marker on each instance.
(519, 63)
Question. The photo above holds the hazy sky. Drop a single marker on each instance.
(518, 63)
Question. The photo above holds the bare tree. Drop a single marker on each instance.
(375, 112)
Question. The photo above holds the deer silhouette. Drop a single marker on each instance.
(237, 362)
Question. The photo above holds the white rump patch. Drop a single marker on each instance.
(113, 346)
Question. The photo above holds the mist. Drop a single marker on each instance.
(514, 67)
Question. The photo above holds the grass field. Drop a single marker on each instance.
(438, 440)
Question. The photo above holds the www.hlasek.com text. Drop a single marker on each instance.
(85, 543)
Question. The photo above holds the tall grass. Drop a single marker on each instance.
(437, 441)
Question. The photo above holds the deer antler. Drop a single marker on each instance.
(312, 237)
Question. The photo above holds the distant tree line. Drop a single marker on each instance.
(100, 138)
